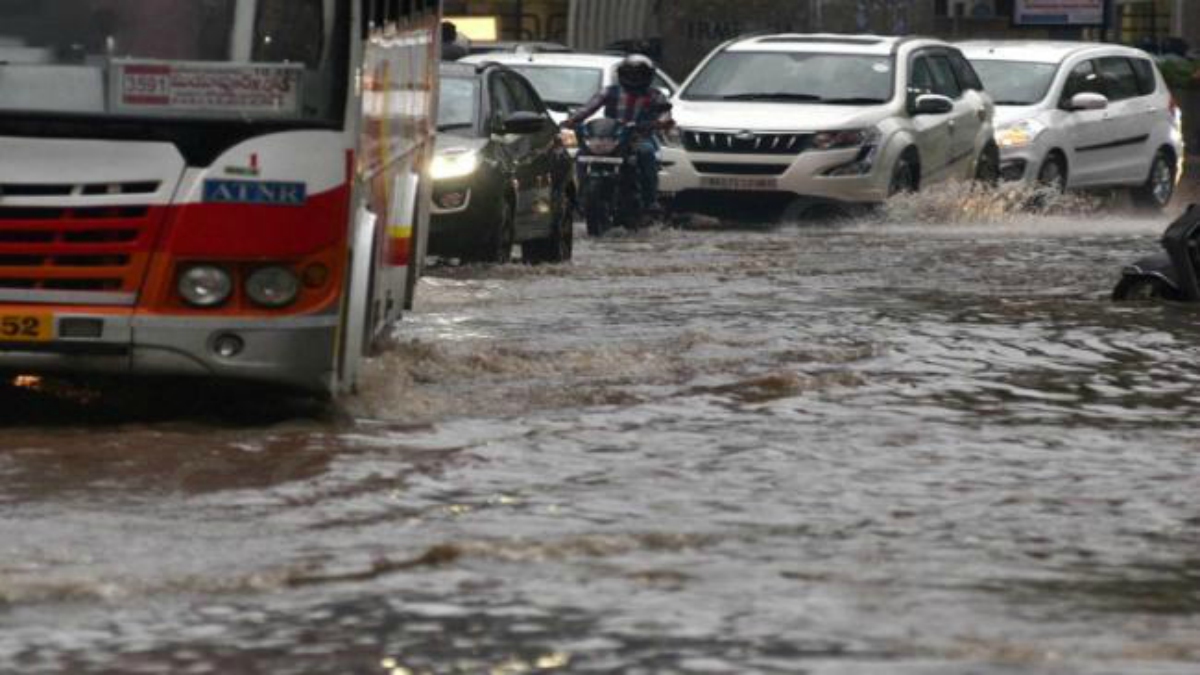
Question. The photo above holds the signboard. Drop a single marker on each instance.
(1059, 12)
(205, 88)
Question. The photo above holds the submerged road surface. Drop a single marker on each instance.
(924, 445)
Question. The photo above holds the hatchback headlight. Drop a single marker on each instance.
(273, 287)
(454, 164)
(840, 140)
(1019, 134)
(205, 286)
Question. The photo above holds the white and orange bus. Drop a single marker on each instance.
(228, 189)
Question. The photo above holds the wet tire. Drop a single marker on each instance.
(1159, 189)
(598, 211)
(1141, 289)
(498, 249)
(1053, 174)
(559, 246)
(987, 168)
(905, 176)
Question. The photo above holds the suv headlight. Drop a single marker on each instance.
(454, 164)
(1019, 134)
(840, 140)
(671, 137)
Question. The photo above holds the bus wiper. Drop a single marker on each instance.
(772, 96)
(451, 127)
(853, 100)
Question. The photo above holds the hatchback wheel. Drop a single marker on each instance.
(498, 248)
(1159, 187)
(1053, 174)
(560, 245)
(987, 169)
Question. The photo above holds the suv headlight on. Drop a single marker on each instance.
(1019, 134)
(841, 140)
(454, 164)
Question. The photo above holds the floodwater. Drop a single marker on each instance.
(924, 443)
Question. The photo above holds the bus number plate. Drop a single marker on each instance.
(26, 327)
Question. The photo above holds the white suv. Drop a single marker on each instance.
(828, 119)
(1083, 115)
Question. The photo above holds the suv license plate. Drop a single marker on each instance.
(722, 183)
(30, 327)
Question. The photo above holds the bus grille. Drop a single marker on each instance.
(77, 255)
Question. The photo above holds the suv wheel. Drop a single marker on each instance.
(1159, 187)
(905, 176)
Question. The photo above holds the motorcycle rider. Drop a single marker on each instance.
(634, 101)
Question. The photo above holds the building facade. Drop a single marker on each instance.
(681, 32)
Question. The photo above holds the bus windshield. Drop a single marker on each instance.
(275, 60)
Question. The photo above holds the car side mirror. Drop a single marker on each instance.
(1088, 101)
(932, 104)
(523, 124)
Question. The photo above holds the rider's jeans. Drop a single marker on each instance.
(647, 157)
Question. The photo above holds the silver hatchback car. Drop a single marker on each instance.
(1083, 115)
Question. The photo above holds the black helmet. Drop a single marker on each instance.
(636, 72)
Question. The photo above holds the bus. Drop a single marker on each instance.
(222, 189)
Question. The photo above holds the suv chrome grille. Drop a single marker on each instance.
(746, 143)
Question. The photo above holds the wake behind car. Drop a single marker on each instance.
(501, 174)
(1083, 115)
(826, 120)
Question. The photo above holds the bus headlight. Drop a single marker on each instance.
(458, 164)
(273, 287)
(205, 285)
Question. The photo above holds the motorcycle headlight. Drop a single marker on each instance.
(273, 287)
(1020, 134)
(840, 140)
(205, 286)
(454, 164)
(601, 146)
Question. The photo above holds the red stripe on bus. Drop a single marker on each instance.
(400, 252)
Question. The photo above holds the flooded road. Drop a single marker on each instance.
(927, 445)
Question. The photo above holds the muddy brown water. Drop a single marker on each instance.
(926, 444)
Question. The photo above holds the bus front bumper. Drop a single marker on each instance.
(294, 353)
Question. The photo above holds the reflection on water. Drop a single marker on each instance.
(920, 442)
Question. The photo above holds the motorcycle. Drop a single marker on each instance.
(608, 173)
(1173, 274)
(608, 170)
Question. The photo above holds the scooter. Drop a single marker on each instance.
(608, 170)
(1173, 274)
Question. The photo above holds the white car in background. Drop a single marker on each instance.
(826, 120)
(567, 81)
(1083, 115)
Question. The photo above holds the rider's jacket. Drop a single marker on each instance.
(625, 105)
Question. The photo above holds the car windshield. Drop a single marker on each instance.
(563, 87)
(279, 60)
(458, 103)
(836, 79)
(1016, 82)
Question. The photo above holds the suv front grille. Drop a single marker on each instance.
(746, 143)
